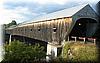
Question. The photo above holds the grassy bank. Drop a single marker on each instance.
(79, 52)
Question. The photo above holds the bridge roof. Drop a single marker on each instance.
(69, 12)
(58, 14)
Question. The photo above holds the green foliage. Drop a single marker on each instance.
(21, 52)
(80, 52)
(13, 22)
(86, 53)
(65, 49)
(10, 24)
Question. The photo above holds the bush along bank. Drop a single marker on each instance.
(19, 52)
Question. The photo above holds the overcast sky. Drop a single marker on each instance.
(26, 10)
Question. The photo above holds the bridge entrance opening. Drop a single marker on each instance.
(84, 27)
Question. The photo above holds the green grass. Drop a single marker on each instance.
(80, 52)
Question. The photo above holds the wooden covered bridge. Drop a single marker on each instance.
(54, 28)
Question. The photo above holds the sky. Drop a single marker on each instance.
(26, 10)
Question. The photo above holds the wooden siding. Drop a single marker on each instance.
(50, 31)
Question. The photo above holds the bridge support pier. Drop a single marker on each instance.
(10, 39)
(53, 51)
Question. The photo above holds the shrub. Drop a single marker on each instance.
(20, 52)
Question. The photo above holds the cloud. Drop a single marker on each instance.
(7, 16)
(62, 2)
(50, 1)
(23, 10)
(18, 13)
(40, 1)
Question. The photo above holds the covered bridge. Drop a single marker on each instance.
(79, 21)
(55, 27)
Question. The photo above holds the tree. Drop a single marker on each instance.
(22, 53)
(10, 24)
(13, 22)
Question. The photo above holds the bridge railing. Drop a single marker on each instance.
(84, 39)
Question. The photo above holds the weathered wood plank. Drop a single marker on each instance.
(45, 30)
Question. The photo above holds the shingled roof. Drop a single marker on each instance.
(59, 14)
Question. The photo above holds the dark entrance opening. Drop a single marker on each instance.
(84, 27)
